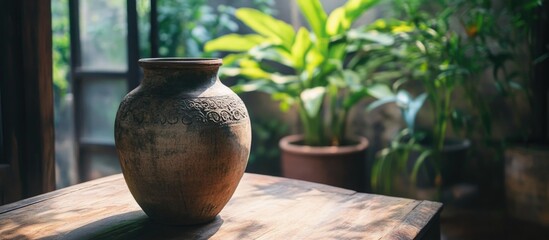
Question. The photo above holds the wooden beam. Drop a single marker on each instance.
(27, 98)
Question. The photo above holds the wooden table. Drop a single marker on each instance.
(263, 207)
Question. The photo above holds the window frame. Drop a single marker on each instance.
(79, 75)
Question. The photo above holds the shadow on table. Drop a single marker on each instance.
(136, 225)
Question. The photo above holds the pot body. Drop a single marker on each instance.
(340, 166)
(451, 161)
(183, 140)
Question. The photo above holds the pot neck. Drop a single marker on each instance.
(179, 73)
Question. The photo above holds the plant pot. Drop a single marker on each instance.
(340, 166)
(183, 140)
(451, 160)
(527, 183)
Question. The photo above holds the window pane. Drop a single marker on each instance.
(66, 172)
(103, 34)
(144, 26)
(100, 103)
(65, 161)
(101, 164)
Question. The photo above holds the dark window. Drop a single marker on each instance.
(105, 50)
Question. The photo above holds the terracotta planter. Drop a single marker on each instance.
(527, 183)
(337, 166)
(183, 140)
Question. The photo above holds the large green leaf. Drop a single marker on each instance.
(247, 68)
(233, 58)
(229, 71)
(252, 69)
(234, 43)
(380, 102)
(312, 100)
(335, 22)
(341, 19)
(380, 91)
(254, 73)
(386, 76)
(279, 31)
(285, 100)
(355, 8)
(372, 36)
(314, 60)
(337, 50)
(257, 85)
(271, 52)
(412, 109)
(284, 79)
(300, 48)
(315, 15)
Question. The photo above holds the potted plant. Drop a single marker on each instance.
(309, 69)
(444, 49)
(412, 166)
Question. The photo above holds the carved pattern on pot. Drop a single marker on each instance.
(221, 110)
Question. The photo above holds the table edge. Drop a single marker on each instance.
(426, 223)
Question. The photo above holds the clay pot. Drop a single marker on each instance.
(340, 166)
(183, 140)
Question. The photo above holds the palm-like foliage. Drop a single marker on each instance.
(306, 67)
(443, 50)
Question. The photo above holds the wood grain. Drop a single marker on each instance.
(262, 207)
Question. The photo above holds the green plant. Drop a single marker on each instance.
(61, 46)
(394, 159)
(307, 68)
(443, 51)
(408, 105)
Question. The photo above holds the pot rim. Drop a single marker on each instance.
(179, 62)
(456, 144)
(287, 144)
(451, 144)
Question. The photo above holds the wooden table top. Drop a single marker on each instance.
(263, 207)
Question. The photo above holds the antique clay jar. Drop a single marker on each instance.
(183, 140)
